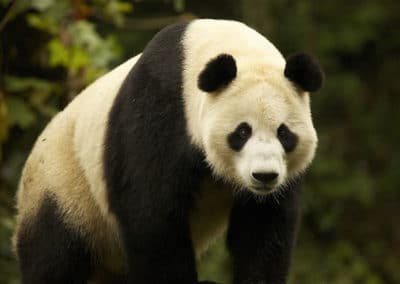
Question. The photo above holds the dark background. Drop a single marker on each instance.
(51, 49)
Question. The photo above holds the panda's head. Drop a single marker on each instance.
(251, 115)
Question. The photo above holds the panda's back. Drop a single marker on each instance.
(75, 138)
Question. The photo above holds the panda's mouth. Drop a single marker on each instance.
(262, 189)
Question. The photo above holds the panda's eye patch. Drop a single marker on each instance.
(238, 138)
(287, 138)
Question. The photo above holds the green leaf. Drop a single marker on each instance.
(124, 7)
(59, 55)
(19, 113)
(115, 10)
(78, 59)
(42, 23)
(18, 84)
(42, 5)
(84, 34)
(179, 5)
(99, 52)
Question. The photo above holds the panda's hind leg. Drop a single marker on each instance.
(50, 252)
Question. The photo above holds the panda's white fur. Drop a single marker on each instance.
(67, 159)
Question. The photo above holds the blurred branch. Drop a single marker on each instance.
(6, 13)
(155, 23)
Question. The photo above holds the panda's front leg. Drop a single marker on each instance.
(155, 229)
(261, 237)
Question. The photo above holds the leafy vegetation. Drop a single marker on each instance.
(50, 50)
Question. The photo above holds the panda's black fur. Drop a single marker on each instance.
(219, 72)
(304, 71)
(153, 173)
(49, 251)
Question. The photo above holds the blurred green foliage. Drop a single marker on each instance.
(50, 50)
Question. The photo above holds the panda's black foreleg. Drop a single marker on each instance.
(155, 228)
(261, 237)
(49, 252)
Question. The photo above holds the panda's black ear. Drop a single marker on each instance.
(303, 70)
(218, 73)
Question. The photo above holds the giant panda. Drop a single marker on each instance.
(208, 130)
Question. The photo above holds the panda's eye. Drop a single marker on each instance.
(287, 138)
(282, 131)
(238, 138)
(244, 130)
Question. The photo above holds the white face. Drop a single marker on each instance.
(244, 127)
(258, 138)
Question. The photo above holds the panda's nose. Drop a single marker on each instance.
(265, 177)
